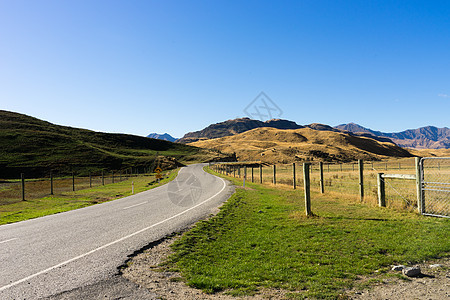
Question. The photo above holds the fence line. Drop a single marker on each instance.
(367, 181)
(12, 190)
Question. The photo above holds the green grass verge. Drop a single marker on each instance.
(261, 239)
(24, 210)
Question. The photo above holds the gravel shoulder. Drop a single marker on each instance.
(433, 284)
(145, 271)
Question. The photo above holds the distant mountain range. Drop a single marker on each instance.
(428, 137)
(165, 137)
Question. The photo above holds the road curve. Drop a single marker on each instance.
(63, 252)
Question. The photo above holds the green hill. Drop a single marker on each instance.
(34, 146)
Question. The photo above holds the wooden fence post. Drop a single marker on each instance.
(260, 174)
(294, 180)
(112, 175)
(73, 181)
(361, 179)
(274, 174)
(252, 175)
(420, 195)
(307, 189)
(322, 186)
(51, 183)
(381, 190)
(245, 174)
(90, 180)
(22, 177)
(103, 176)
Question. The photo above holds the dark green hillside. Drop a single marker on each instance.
(34, 146)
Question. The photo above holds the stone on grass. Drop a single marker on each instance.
(398, 268)
(411, 271)
(436, 266)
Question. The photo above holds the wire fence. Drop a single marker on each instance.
(344, 179)
(436, 186)
(16, 190)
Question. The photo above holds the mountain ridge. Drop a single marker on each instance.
(164, 137)
(235, 126)
(271, 145)
(428, 137)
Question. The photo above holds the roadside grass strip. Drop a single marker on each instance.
(261, 239)
(34, 208)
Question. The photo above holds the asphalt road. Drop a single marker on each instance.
(81, 249)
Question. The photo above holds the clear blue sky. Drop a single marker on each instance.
(177, 66)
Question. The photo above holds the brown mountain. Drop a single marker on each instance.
(235, 126)
(428, 137)
(273, 145)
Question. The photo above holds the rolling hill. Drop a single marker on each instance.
(236, 126)
(428, 137)
(34, 146)
(271, 145)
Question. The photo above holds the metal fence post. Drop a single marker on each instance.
(361, 179)
(112, 176)
(307, 189)
(73, 181)
(322, 188)
(381, 190)
(22, 177)
(103, 177)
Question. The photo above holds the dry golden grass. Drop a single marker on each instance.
(343, 179)
(271, 145)
(431, 152)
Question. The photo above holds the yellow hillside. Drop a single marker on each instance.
(272, 145)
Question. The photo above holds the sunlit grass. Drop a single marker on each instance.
(262, 239)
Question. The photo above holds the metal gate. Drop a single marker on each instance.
(435, 186)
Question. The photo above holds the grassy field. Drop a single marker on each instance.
(262, 240)
(13, 211)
